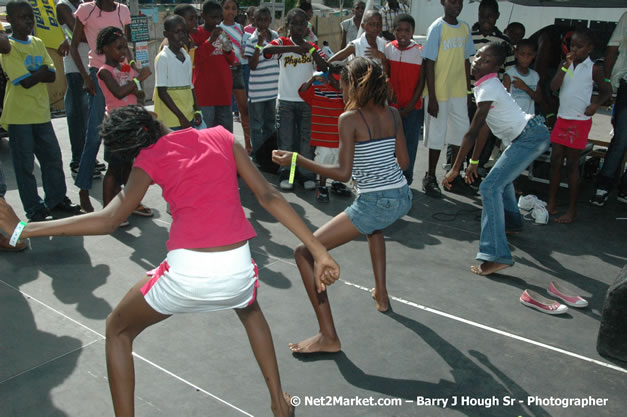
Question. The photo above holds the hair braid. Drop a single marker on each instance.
(127, 130)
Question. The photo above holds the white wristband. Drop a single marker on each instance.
(17, 233)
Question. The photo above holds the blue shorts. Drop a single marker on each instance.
(377, 210)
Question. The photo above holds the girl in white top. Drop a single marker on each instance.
(525, 138)
(574, 118)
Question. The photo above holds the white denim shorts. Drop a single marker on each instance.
(190, 281)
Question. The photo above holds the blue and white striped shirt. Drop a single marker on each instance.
(375, 167)
(263, 84)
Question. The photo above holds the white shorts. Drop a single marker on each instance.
(327, 156)
(450, 125)
(190, 281)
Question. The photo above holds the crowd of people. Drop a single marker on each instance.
(355, 114)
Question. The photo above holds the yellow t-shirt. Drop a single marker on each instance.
(24, 106)
(449, 46)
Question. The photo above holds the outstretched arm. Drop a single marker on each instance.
(326, 270)
(97, 223)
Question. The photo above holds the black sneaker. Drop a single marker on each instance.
(41, 215)
(322, 194)
(430, 186)
(100, 166)
(341, 189)
(66, 206)
(600, 198)
(97, 173)
(459, 186)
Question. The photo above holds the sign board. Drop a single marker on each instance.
(139, 29)
(141, 53)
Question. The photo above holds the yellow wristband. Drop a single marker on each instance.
(137, 83)
(198, 112)
(259, 47)
(549, 115)
(293, 167)
(131, 62)
(474, 162)
(469, 92)
(568, 71)
(311, 51)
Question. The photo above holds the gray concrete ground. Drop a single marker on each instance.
(451, 335)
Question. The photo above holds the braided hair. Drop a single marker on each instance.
(127, 130)
(366, 81)
(107, 36)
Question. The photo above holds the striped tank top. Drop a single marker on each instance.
(374, 163)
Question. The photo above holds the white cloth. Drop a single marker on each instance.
(521, 97)
(576, 91)
(203, 281)
(361, 45)
(505, 119)
(170, 71)
(69, 66)
(450, 125)
(327, 156)
(619, 38)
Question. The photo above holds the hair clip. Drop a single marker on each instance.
(145, 128)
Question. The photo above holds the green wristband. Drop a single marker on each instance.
(607, 80)
(293, 167)
(474, 162)
(312, 50)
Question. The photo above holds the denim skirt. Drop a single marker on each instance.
(376, 210)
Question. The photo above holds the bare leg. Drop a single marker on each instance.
(376, 244)
(323, 181)
(131, 316)
(333, 234)
(110, 186)
(572, 165)
(434, 155)
(85, 201)
(260, 339)
(557, 157)
(242, 106)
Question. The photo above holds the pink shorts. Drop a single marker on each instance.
(571, 133)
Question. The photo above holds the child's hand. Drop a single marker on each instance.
(471, 174)
(215, 33)
(519, 84)
(433, 107)
(404, 112)
(185, 123)
(326, 272)
(568, 60)
(144, 73)
(448, 178)
(261, 38)
(248, 145)
(591, 109)
(64, 48)
(140, 94)
(374, 53)
(320, 79)
(89, 86)
(282, 158)
(8, 218)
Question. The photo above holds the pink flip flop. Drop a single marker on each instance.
(566, 296)
(534, 300)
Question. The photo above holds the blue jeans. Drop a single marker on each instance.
(500, 209)
(618, 146)
(262, 115)
(218, 115)
(37, 140)
(246, 74)
(3, 184)
(412, 126)
(95, 115)
(294, 127)
(76, 112)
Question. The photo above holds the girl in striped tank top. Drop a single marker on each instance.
(372, 149)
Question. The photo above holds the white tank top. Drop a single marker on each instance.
(576, 91)
(69, 66)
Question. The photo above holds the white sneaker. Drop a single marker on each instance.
(285, 185)
(309, 185)
(540, 214)
(528, 202)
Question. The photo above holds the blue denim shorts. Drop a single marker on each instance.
(377, 210)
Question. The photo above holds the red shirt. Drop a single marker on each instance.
(405, 66)
(327, 104)
(212, 77)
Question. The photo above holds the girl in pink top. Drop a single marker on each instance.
(120, 86)
(212, 269)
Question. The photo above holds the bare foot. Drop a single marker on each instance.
(315, 344)
(488, 268)
(382, 303)
(285, 409)
(552, 208)
(568, 217)
(85, 201)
